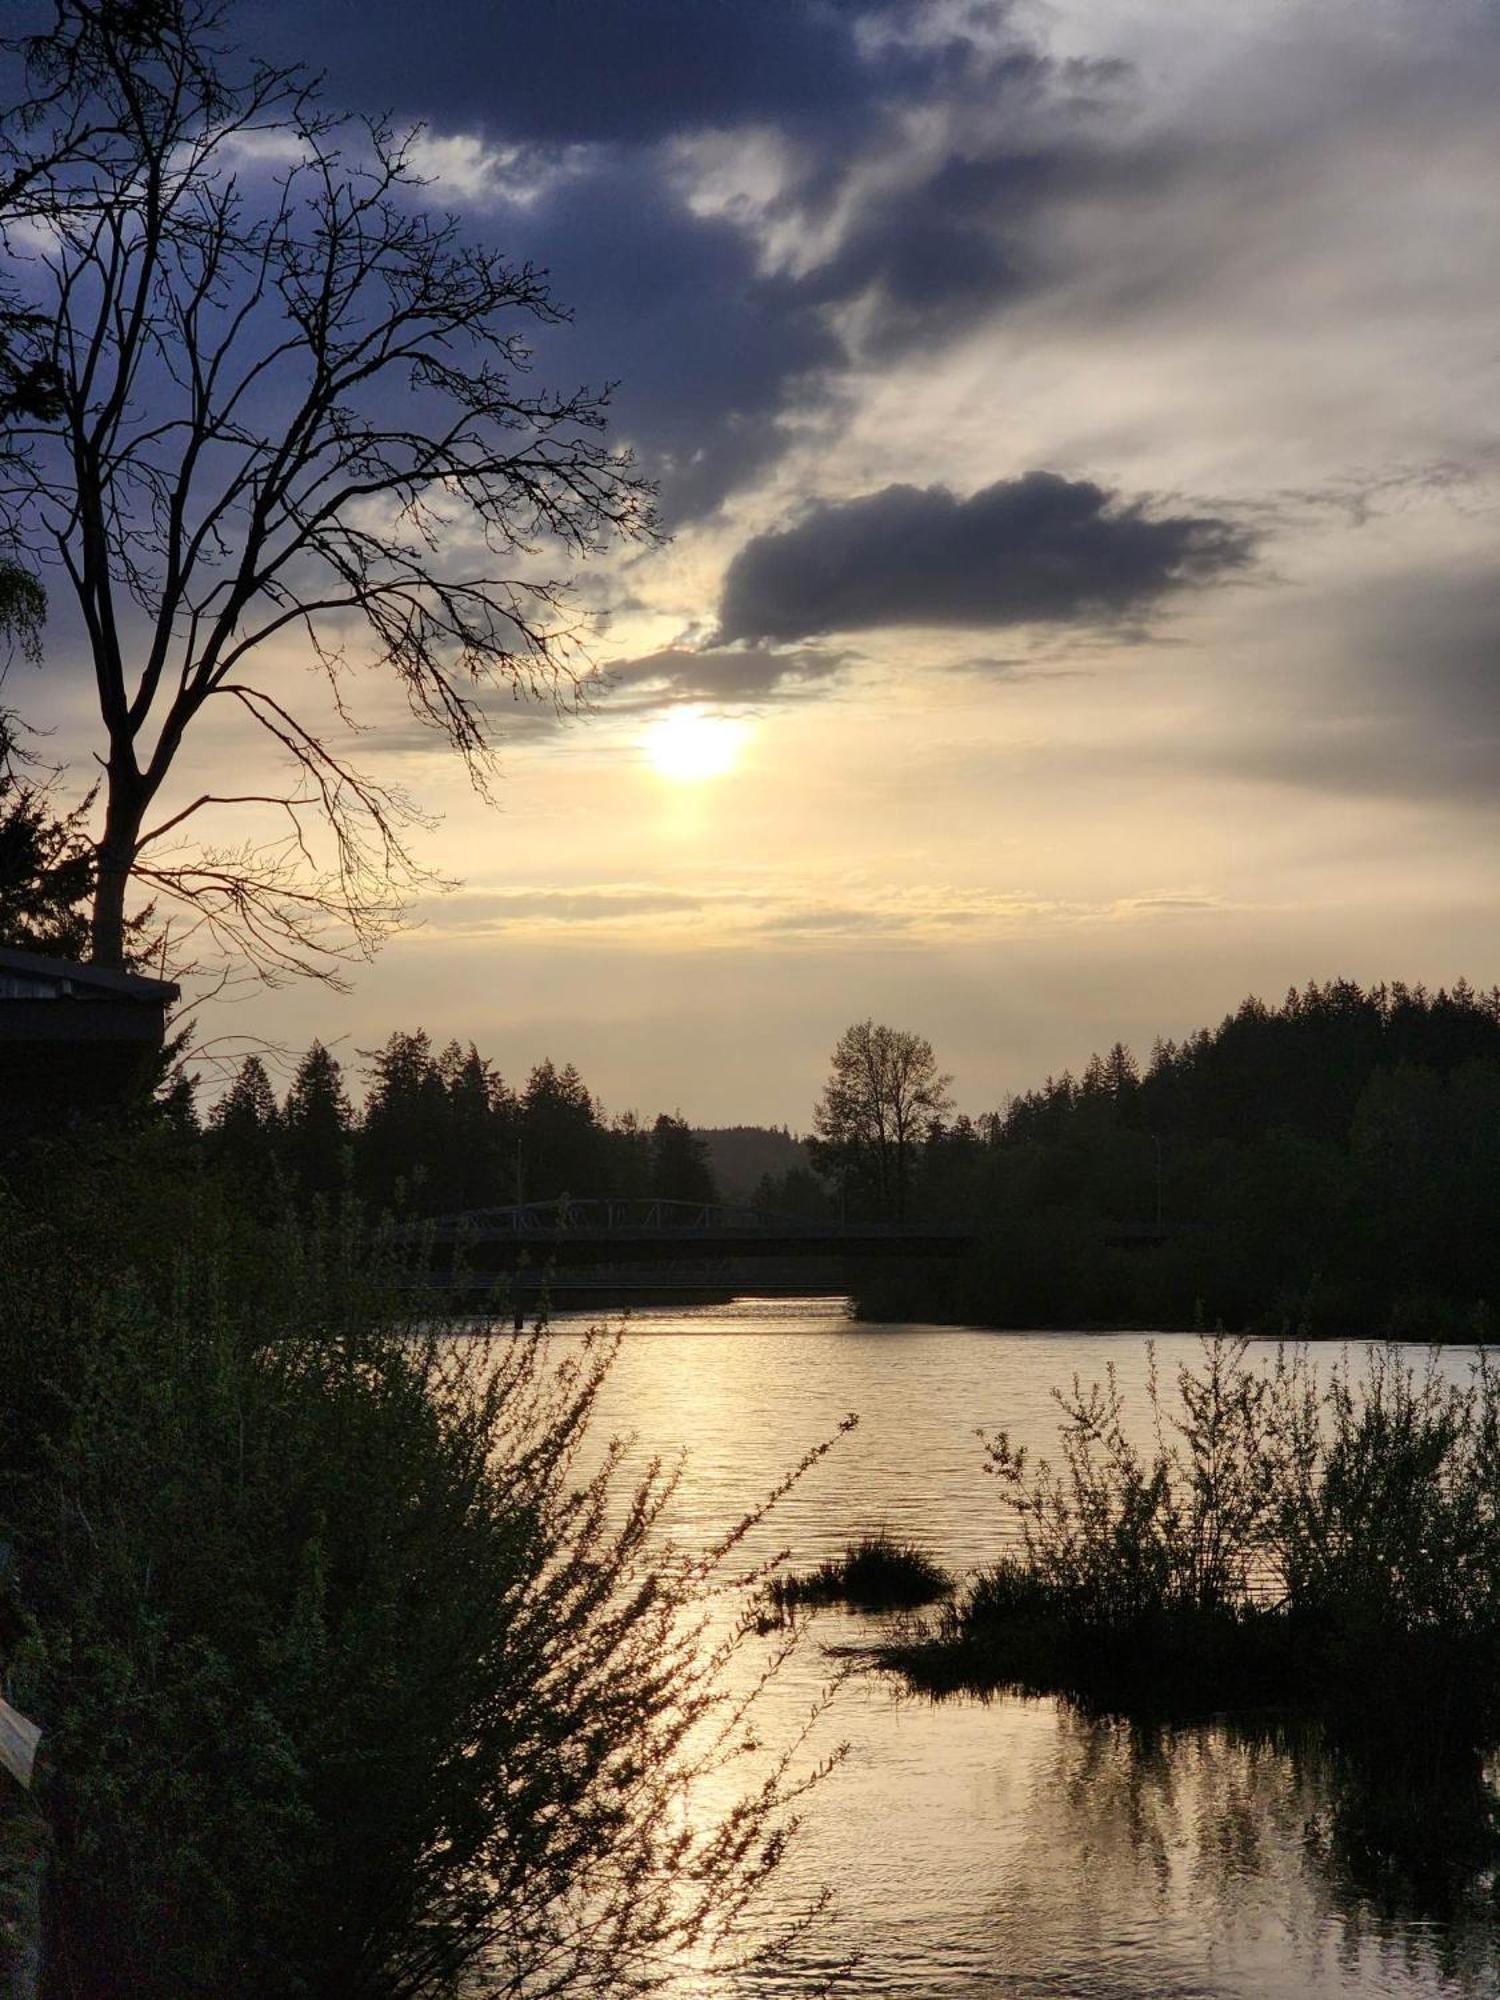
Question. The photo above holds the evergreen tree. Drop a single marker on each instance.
(679, 1163)
(798, 1193)
(46, 864)
(1327, 1164)
(628, 1157)
(316, 1127)
(244, 1129)
(480, 1168)
(562, 1140)
(403, 1142)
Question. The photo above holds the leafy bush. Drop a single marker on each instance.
(1330, 1539)
(351, 1675)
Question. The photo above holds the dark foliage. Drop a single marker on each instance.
(46, 859)
(1330, 1166)
(1327, 1542)
(679, 1163)
(442, 1132)
(876, 1573)
(359, 1671)
(742, 1156)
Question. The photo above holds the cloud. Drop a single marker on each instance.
(757, 208)
(1040, 549)
(630, 70)
(718, 674)
(834, 923)
(715, 367)
(1410, 713)
(609, 903)
(466, 168)
(914, 148)
(778, 911)
(935, 223)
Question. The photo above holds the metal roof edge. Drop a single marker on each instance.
(95, 978)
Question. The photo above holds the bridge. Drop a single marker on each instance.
(616, 1223)
(612, 1245)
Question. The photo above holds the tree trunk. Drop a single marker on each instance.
(116, 859)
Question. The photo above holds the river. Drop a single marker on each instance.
(1011, 1847)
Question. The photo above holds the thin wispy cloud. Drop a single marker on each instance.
(780, 914)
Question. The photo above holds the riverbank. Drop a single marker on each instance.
(1026, 1280)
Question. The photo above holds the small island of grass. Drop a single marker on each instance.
(876, 1573)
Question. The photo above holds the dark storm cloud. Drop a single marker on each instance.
(564, 71)
(929, 255)
(727, 675)
(712, 352)
(668, 305)
(1035, 550)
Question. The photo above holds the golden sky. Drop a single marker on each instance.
(1076, 426)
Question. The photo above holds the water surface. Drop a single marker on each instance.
(1011, 1847)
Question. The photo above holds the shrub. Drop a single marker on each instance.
(1330, 1540)
(351, 1675)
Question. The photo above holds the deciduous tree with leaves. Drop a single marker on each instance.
(883, 1098)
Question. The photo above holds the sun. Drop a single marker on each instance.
(688, 746)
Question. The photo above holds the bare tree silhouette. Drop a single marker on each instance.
(291, 404)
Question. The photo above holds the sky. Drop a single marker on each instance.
(1076, 430)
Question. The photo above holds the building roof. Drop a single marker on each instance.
(32, 975)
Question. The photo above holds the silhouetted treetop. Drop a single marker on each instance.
(1302, 1065)
(1329, 1163)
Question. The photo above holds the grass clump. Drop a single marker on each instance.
(876, 1573)
(1327, 1540)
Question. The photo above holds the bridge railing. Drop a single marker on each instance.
(600, 1221)
(627, 1213)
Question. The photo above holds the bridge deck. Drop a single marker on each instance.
(628, 1232)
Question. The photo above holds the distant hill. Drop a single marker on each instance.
(741, 1154)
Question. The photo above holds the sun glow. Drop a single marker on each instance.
(688, 746)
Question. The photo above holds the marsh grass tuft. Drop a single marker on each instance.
(876, 1573)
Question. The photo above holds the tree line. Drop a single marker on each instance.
(441, 1131)
(1329, 1165)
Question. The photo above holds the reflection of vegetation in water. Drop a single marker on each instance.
(1321, 1554)
(1201, 1814)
